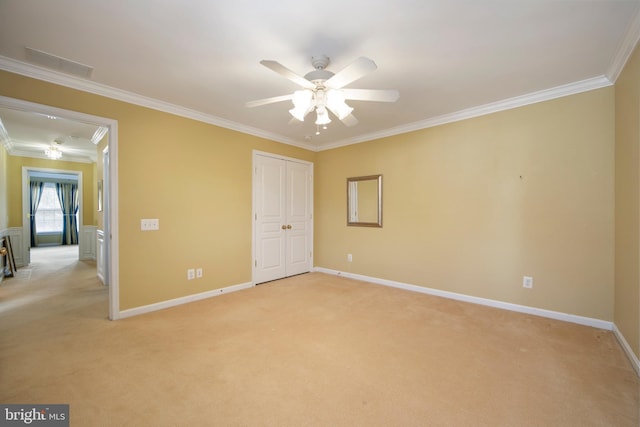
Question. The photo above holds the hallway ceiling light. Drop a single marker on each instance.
(53, 152)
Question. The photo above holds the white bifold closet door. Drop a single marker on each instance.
(283, 191)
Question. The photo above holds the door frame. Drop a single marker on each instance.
(254, 214)
(26, 208)
(106, 211)
(111, 200)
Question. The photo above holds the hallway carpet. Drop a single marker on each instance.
(310, 350)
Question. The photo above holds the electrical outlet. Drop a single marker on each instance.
(191, 274)
(527, 282)
(349, 257)
(198, 273)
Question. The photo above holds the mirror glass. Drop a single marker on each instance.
(364, 201)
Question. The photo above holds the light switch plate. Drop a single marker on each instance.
(149, 224)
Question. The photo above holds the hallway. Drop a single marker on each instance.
(54, 283)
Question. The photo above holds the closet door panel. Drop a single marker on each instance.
(299, 218)
(270, 245)
(283, 218)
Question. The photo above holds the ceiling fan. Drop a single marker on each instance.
(324, 91)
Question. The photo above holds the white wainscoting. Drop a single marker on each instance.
(20, 255)
(88, 243)
(100, 256)
(17, 244)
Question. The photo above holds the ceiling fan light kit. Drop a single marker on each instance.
(336, 103)
(323, 90)
(323, 116)
(302, 101)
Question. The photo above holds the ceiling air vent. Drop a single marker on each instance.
(56, 63)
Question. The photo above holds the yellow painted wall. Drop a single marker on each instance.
(469, 207)
(627, 161)
(473, 206)
(14, 167)
(194, 177)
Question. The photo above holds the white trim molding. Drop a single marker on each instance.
(112, 220)
(62, 79)
(88, 235)
(19, 249)
(100, 256)
(635, 362)
(628, 44)
(182, 300)
(40, 73)
(26, 227)
(572, 318)
(481, 110)
(565, 317)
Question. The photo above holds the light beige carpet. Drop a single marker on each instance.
(311, 350)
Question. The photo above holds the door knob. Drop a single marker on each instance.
(284, 227)
(288, 227)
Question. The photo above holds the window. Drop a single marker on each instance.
(49, 213)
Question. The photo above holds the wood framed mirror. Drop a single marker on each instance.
(364, 201)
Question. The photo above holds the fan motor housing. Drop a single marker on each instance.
(318, 76)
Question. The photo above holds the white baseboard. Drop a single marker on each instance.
(182, 300)
(627, 349)
(587, 321)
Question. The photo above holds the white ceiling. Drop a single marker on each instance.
(449, 59)
(29, 133)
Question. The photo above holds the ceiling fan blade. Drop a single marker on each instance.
(266, 101)
(285, 72)
(350, 120)
(371, 95)
(351, 72)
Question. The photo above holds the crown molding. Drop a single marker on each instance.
(494, 107)
(628, 44)
(40, 73)
(62, 79)
(65, 156)
(4, 137)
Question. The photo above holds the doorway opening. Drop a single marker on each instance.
(109, 192)
(50, 223)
